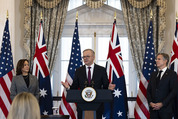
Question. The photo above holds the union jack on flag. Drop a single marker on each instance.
(6, 72)
(74, 63)
(174, 65)
(114, 67)
(174, 52)
(141, 110)
(41, 70)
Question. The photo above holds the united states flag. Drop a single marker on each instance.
(114, 66)
(41, 70)
(6, 73)
(74, 63)
(174, 64)
(141, 110)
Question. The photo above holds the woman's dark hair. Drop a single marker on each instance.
(20, 65)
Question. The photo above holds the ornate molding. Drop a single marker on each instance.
(95, 4)
(28, 3)
(48, 3)
(139, 3)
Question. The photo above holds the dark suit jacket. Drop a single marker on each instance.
(99, 79)
(18, 85)
(164, 93)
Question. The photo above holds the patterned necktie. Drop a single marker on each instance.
(89, 75)
(158, 78)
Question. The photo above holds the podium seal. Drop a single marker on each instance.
(88, 94)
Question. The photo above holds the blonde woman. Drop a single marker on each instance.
(24, 106)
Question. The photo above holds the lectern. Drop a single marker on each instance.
(102, 95)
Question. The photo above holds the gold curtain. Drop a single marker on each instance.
(137, 17)
(54, 14)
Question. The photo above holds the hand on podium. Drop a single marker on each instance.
(111, 86)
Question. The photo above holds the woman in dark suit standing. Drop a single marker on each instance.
(24, 81)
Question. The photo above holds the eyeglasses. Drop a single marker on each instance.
(86, 57)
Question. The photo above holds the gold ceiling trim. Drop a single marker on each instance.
(48, 3)
(95, 4)
(139, 3)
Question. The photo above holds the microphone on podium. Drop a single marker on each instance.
(86, 83)
(92, 84)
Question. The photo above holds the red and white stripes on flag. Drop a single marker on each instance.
(141, 110)
(65, 107)
(6, 73)
(5, 101)
(141, 106)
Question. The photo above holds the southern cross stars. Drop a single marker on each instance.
(117, 93)
(43, 92)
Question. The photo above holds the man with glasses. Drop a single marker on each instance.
(92, 75)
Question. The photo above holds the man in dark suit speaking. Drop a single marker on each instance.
(161, 89)
(90, 74)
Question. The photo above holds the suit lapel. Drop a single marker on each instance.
(22, 81)
(165, 74)
(30, 81)
(83, 71)
(94, 72)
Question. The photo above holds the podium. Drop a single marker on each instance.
(102, 96)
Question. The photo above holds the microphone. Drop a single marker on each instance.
(86, 84)
(92, 84)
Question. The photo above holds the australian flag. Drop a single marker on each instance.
(114, 66)
(41, 70)
(174, 65)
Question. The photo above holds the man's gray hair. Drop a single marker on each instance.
(165, 56)
(90, 50)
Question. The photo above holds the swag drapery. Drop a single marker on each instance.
(137, 17)
(54, 14)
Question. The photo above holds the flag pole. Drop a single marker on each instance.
(151, 14)
(176, 17)
(7, 15)
(77, 15)
(115, 15)
(95, 43)
(41, 16)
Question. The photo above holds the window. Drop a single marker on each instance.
(76, 3)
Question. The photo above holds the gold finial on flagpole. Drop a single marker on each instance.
(7, 15)
(176, 16)
(77, 15)
(151, 14)
(115, 15)
(41, 15)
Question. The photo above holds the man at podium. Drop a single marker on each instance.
(90, 75)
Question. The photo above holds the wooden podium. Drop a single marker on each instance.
(102, 95)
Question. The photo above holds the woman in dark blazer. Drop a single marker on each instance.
(24, 81)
